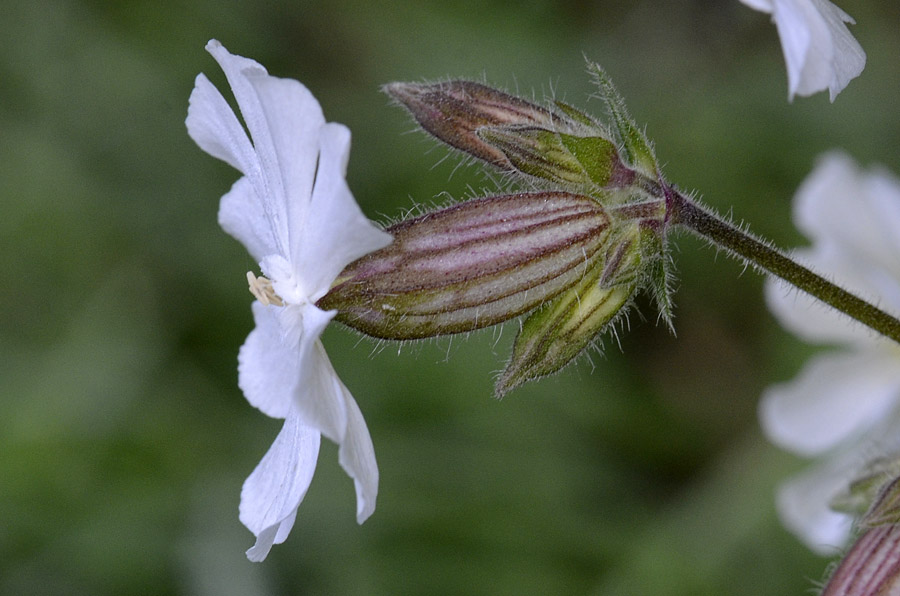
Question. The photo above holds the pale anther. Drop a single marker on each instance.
(262, 289)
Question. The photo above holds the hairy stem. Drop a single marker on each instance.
(684, 212)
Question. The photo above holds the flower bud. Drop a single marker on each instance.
(472, 265)
(575, 257)
(454, 111)
(556, 334)
(562, 146)
(870, 567)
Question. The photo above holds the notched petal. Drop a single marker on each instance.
(357, 457)
(268, 369)
(273, 492)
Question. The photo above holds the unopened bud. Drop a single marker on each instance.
(488, 260)
(472, 265)
(555, 335)
(871, 567)
(561, 145)
(453, 112)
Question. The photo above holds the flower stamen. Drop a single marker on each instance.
(262, 290)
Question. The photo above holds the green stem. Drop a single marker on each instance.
(683, 211)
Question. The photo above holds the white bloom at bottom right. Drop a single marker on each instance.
(819, 51)
(843, 409)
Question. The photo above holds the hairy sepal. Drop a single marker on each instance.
(472, 265)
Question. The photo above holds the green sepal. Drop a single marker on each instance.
(598, 156)
(636, 146)
(865, 491)
(577, 115)
(558, 157)
(657, 274)
(555, 334)
(885, 509)
(537, 152)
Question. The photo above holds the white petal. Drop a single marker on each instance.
(337, 232)
(273, 492)
(317, 225)
(859, 211)
(835, 397)
(847, 58)
(293, 119)
(241, 215)
(317, 396)
(852, 219)
(803, 505)
(831, 204)
(265, 176)
(760, 5)
(215, 128)
(357, 457)
(882, 191)
(237, 69)
(818, 49)
(268, 369)
(796, 39)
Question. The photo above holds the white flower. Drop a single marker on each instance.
(844, 407)
(819, 51)
(293, 211)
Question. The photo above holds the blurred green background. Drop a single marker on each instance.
(124, 439)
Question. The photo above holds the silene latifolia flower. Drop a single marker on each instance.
(843, 409)
(819, 51)
(568, 254)
(293, 211)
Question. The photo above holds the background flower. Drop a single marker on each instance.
(819, 50)
(844, 407)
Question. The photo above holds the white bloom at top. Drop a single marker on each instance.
(819, 50)
(844, 407)
(293, 211)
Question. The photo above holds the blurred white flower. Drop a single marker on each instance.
(844, 406)
(293, 211)
(819, 50)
